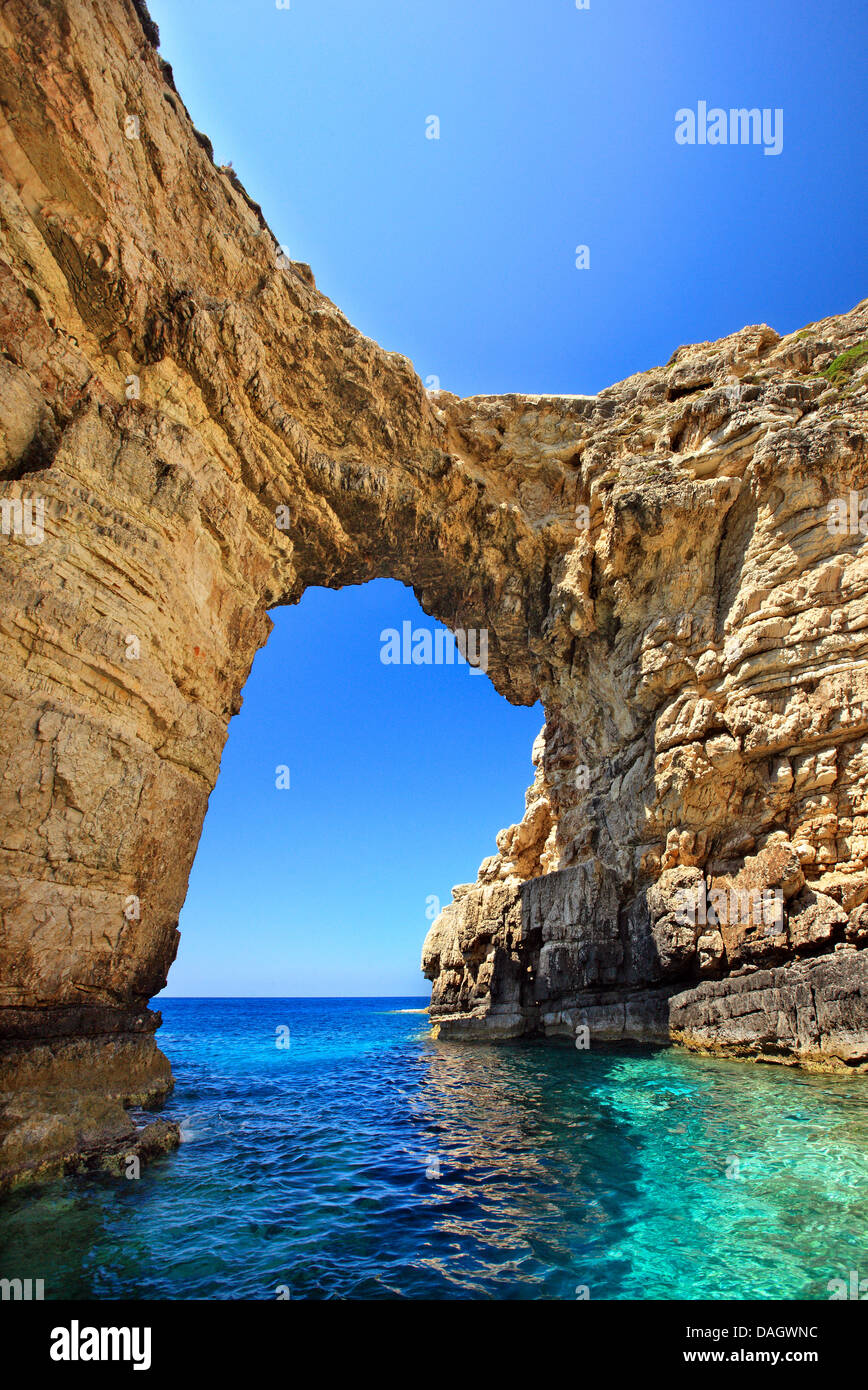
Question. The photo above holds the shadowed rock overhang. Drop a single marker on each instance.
(190, 433)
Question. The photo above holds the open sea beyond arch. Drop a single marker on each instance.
(365, 1160)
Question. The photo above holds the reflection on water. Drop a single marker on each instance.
(368, 1161)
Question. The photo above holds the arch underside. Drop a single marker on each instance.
(207, 436)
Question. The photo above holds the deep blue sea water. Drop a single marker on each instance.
(366, 1160)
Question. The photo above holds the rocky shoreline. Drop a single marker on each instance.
(535, 958)
(809, 1014)
(191, 434)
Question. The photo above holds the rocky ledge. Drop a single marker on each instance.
(191, 433)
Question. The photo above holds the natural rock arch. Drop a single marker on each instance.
(654, 563)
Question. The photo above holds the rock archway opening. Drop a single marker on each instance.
(193, 434)
(369, 771)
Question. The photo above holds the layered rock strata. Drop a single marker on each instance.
(190, 434)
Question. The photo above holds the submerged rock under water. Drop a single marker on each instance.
(190, 434)
(369, 1161)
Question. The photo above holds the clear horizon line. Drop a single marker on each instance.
(157, 997)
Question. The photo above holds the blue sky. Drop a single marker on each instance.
(399, 779)
(556, 130)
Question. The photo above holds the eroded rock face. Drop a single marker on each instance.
(705, 728)
(195, 434)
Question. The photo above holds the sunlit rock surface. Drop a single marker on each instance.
(195, 434)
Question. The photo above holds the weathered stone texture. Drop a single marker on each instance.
(168, 385)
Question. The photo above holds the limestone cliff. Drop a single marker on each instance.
(706, 707)
(190, 433)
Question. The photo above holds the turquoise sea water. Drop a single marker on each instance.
(367, 1161)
